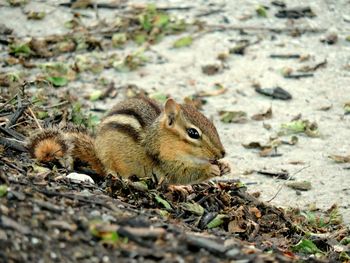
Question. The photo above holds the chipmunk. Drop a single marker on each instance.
(139, 137)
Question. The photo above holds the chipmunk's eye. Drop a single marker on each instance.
(193, 133)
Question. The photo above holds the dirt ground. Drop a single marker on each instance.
(177, 72)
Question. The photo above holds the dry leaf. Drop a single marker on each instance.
(255, 211)
(233, 116)
(211, 69)
(340, 159)
(263, 116)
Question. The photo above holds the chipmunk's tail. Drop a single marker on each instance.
(72, 146)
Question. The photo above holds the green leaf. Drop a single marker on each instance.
(344, 257)
(140, 38)
(294, 126)
(306, 246)
(3, 190)
(158, 96)
(92, 121)
(217, 221)
(163, 213)
(78, 117)
(104, 231)
(95, 95)
(42, 114)
(194, 208)
(163, 202)
(345, 241)
(261, 11)
(161, 20)
(145, 21)
(21, 50)
(183, 42)
(300, 126)
(58, 81)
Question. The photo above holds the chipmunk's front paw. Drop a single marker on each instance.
(215, 170)
(224, 167)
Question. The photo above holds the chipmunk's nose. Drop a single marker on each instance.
(223, 153)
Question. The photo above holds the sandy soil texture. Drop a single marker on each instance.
(178, 72)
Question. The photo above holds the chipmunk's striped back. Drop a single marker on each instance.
(126, 124)
(131, 117)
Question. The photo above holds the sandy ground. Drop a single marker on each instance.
(181, 76)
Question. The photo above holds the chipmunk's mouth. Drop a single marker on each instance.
(214, 161)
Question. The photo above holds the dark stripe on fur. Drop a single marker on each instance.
(126, 129)
(130, 112)
(152, 103)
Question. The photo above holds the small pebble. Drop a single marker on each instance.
(35, 240)
(105, 259)
(108, 218)
(95, 213)
(53, 255)
(80, 177)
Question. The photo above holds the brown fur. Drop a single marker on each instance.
(139, 138)
(70, 142)
(48, 150)
(84, 151)
(48, 145)
(198, 119)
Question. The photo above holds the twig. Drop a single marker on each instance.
(209, 12)
(163, 8)
(280, 188)
(12, 144)
(18, 113)
(262, 28)
(97, 5)
(299, 76)
(62, 103)
(285, 56)
(12, 133)
(282, 175)
(35, 119)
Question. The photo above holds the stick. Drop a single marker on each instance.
(299, 76)
(281, 175)
(18, 113)
(261, 28)
(12, 133)
(286, 56)
(279, 190)
(35, 119)
(209, 12)
(12, 144)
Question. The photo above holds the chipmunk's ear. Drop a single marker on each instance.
(171, 110)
